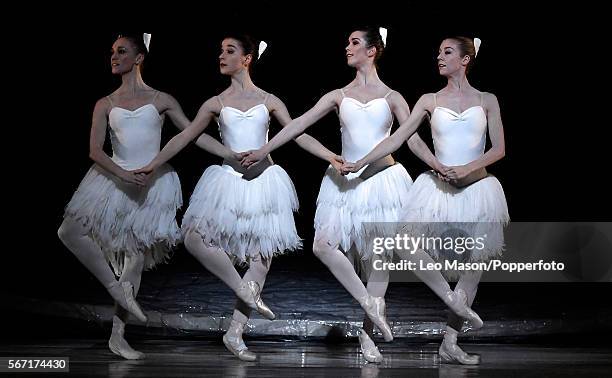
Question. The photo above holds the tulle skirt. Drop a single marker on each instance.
(245, 218)
(436, 208)
(125, 219)
(355, 209)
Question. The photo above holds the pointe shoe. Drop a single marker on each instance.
(239, 350)
(250, 293)
(374, 308)
(126, 352)
(125, 298)
(368, 348)
(457, 302)
(119, 346)
(234, 343)
(453, 354)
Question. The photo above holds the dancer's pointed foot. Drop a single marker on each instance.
(451, 353)
(123, 294)
(368, 348)
(374, 308)
(250, 293)
(457, 302)
(118, 345)
(234, 343)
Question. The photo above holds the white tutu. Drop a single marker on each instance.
(244, 218)
(481, 207)
(125, 219)
(345, 204)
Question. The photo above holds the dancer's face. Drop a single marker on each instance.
(124, 56)
(449, 58)
(232, 59)
(356, 51)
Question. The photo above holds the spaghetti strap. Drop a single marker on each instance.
(388, 93)
(481, 99)
(342, 91)
(220, 102)
(110, 101)
(435, 100)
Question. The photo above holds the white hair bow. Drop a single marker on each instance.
(262, 48)
(477, 43)
(146, 37)
(383, 35)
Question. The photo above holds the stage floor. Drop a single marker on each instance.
(531, 329)
(207, 358)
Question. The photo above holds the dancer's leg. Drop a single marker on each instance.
(378, 281)
(325, 247)
(450, 351)
(218, 263)
(214, 259)
(78, 240)
(436, 282)
(257, 272)
(132, 272)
